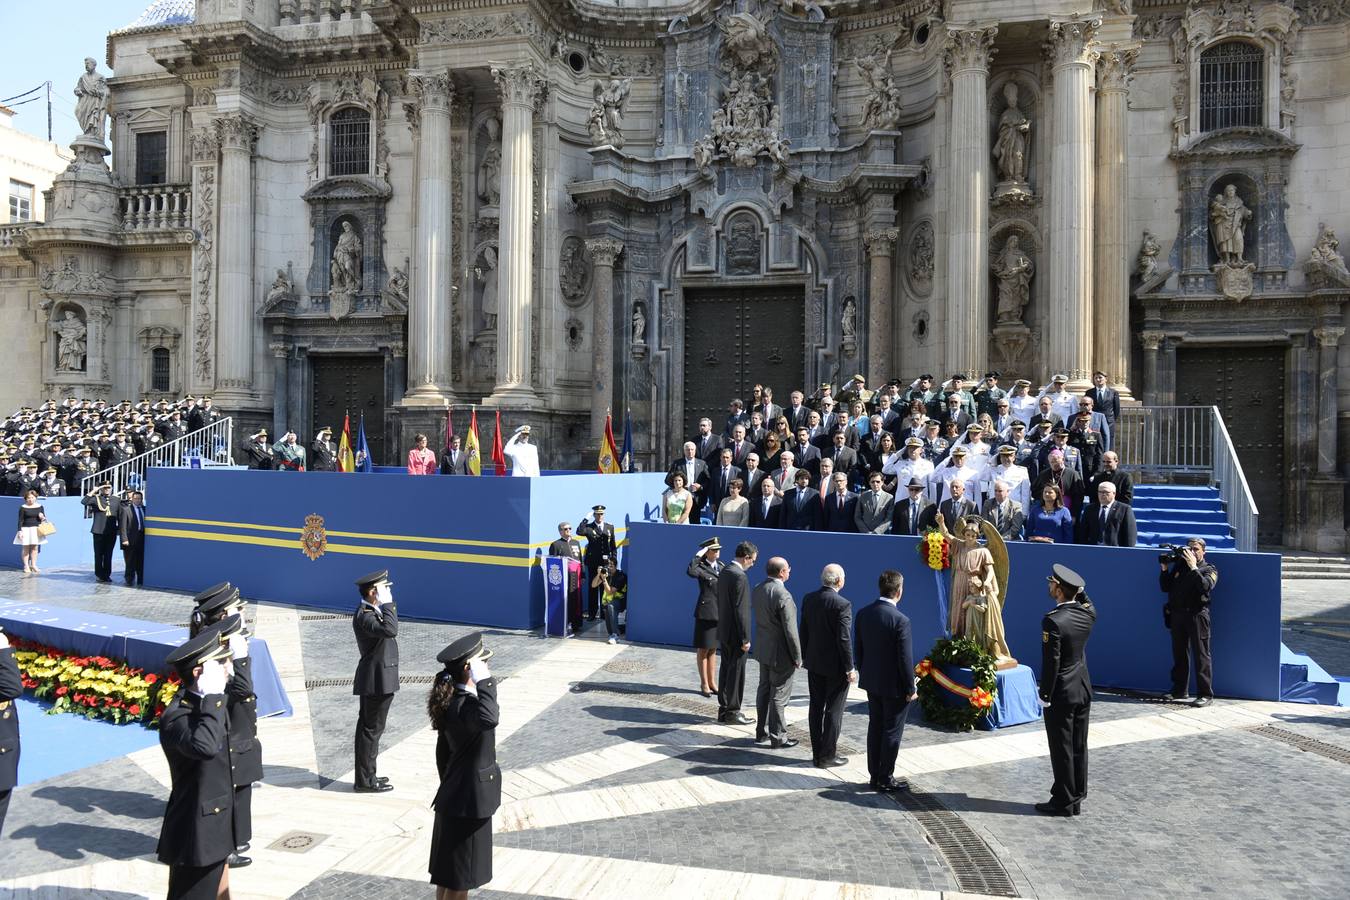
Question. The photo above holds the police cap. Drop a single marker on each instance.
(369, 580)
(463, 649)
(1066, 578)
(196, 651)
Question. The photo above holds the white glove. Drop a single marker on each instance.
(4, 641)
(212, 680)
(1043, 704)
(478, 670)
(238, 646)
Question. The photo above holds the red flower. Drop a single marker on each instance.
(151, 678)
(135, 709)
(62, 691)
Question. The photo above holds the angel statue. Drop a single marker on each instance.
(606, 117)
(979, 585)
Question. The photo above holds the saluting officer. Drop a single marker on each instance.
(219, 603)
(197, 840)
(1066, 689)
(376, 627)
(11, 686)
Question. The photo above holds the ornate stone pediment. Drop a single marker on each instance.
(1238, 143)
(350, 187)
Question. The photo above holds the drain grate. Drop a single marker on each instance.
(627, 667)
(297, 842)
(320, 683)
(322, 617)
(975, 867)
(1303, 742)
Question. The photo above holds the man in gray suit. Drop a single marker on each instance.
(1006, 513)
(872, 515)
(778, 651)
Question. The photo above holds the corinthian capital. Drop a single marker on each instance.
(969, 48)
(237, 132)
(1114, 62)
(1070, 41)
(520, 85)
(604, 251)
(432, 90)
(1329, 335)
(881, 241)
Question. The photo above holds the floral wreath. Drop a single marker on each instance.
(932, 683)
(96, 687)
(935, 550)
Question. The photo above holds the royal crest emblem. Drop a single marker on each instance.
(555, 575)
(313, 540)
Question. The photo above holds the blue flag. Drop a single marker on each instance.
(363, 449)
(626, 454)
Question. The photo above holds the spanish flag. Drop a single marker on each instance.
(608, 462)
(471, 445)
(346, 459)
(498, 452)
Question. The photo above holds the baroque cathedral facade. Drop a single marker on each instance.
(395, 207)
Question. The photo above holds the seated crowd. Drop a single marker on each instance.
(1039, 466)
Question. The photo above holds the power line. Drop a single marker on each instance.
(22, 102)
(25, 93)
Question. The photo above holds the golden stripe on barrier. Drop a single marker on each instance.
(523, 562)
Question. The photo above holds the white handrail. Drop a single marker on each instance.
(1233, 487)
(214, 443)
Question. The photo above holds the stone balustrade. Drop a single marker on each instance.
(150, 207)
(9, 234)
(297, 12)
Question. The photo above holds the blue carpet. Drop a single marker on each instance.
(55, 745)
(1171, 514)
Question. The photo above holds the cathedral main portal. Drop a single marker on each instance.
(350, 383)
(735, 338)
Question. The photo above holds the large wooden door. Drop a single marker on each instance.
(352, 384)
(735, 339)
(1247, 384)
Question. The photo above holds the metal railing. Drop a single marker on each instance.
(213, 445)
(148, 207)
(1165, 441)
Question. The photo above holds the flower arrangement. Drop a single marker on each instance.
(935, 550)
(933, 683)
(96, 687)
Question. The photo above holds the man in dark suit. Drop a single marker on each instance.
(845, 458)
(103, 507)
(131, 525)
(733, 633)
(913, 514)
(376, 626)
(695, 472)
(796, 412)
(841, 507)
(778, 651)
(739, 446)
(11, 687)
(1045, 413)
(957, 505)
(954, 411)
(885, 661)
(1006, 513)
(720, 479)
(454, 459)
(800, 510)
(1062, 476)
(752, 474)
(197, 837)
(1112, 472)
(803, 451)
(827, 653)
(569, 547)
(1107, 522)
(1105, 399)
(736, 415)
(1066, 689)
(601, 549)
(765, 506)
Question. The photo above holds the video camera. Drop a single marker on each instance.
(1173, 554)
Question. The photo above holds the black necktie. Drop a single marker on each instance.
(1101, 538)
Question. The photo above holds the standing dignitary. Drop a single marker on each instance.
(454, 459)
(885, 659)
(322, 455)
(11, 686)
(778, 651)
(222, 603)
(1066, 689)
(601, 549)
(1105, 399)
(913, 514)
(103, 507)
(800, 510)
(1107, 522)
(131, 524)
(570, 548)
(463, 710)
(376, 627)
(872, 514)
(705, 567)
(197, 838)
(733, 633)
(827, 653)
(765, 506)
(1188, 582)
(524, 456)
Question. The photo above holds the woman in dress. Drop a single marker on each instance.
(772, 456)
(677, 502)
(421, 461)
(886, 452)
(29, 539)
(734, 509)
(976, 608)
(782, 429)
(1049, 521)
(909, 463)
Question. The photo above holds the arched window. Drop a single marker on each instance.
(1231, 89)
(349, 142)
(159, 369)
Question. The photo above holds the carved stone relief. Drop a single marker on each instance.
(921, 260)
(574, 272)
(743, 245)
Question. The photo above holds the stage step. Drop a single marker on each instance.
(1302, 680)
(1172, 514)
(1333, 568)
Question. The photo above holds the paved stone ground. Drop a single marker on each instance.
(1215, 811)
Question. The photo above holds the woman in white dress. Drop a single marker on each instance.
(29, 539)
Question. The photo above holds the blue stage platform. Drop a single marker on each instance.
(70, 546)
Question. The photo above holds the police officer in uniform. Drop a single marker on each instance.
(376, 627)
(600, 547)
(219, 603)
(322, 456)
(1066, 689)
(197, 840)
(11, 686)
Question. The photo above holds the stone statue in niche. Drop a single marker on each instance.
(91, 104)
(703, 156)
(486, 272)
(1010, 149)
(1146, 266)
(573, 273)
(72, 345)
(606, 116)
(489, 182)
(849, 320)
(1013, 269)
(1228, 217)
(881, 108)
(344, 272)
(639, 323)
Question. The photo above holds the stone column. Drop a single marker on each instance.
(1152, 341)
(429, 326)
(967, 59)
(235, 294)
(1328, 343)
(603, 251)
(521, 87)
(1069, 327)
(880, 244)
(1111, 257)
(280, 388)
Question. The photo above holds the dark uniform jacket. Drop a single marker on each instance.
(322, 457)
(466, 754)
(733, 606)
(1064, 636)
(104, 523)
(706, 573)
(11, 686)
(376, 636)
(197, 822)
(599, 543)
(258, 455)
(1188, 589)
(827, 633)
(245, 748)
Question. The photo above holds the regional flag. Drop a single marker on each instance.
(345, 461)
(626, 455)
(449, 429)
(608, 462)
(363, 463)
(498, 456)
(471, 445)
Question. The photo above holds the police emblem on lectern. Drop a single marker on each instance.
(313, 540)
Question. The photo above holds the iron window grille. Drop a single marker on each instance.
(159, 369)
(349, 142)
(1231, 86)
(151, 156)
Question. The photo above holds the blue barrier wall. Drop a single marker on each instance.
(1130, 648)
(70, 546)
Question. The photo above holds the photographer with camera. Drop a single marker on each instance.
(1188, 581)
(612, 585)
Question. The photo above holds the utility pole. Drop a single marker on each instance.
(49, 111)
